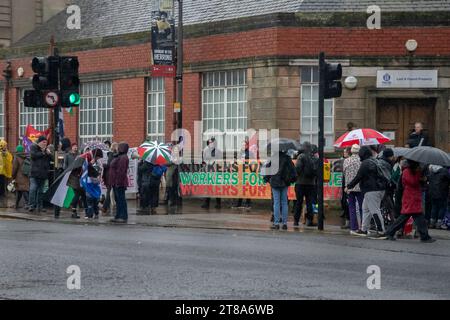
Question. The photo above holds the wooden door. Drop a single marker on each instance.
(400, 115)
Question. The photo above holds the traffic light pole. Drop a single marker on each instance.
(56, 110)
(179, 76)
(322, 73)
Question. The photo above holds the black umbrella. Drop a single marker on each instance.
(284, 144)
(428, 155)
(400, 151)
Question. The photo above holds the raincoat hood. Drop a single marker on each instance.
(123, 148)
(307, 147)
(365, 153)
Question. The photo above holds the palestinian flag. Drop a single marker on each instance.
(59, 193)
(64, 194)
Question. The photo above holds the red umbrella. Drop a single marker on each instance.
(363, 137)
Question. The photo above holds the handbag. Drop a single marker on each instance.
(12, 186)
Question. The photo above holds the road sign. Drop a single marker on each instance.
(163, 71)
(177, 107)
(52, 99)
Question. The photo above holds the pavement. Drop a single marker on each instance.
(190, 215)
(140, 262)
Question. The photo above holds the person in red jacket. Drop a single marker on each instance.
(411, 180)
(118, 178)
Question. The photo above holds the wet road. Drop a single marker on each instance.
(129, 262)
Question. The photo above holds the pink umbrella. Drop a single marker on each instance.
(363, 137)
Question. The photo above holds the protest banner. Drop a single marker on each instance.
(239, 180)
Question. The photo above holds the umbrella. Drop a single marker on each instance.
(95, 144)
(155, 152)
(363, 137)
(429, 155)
(284, 144)
(398, 152)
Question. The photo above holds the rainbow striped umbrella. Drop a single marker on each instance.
(155, 152)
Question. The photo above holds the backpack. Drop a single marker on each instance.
(310, 166)
(384, 172)
(26, 167)
(290, 174)
(157, 172)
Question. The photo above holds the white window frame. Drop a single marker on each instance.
(225, 123)
(37, 117)
(156, 109)
(309, 106)
(95, 98)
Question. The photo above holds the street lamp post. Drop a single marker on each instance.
(179, 76)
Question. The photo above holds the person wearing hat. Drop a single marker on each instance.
(40, 157)
(354, 195)
(20, 174)
(5, 170)
(70, 155)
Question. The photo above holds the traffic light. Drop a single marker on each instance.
(70, 82)
(332, 85)
(45, 81)
(46, 73)
(33, 99)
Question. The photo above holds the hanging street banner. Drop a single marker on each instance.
(163, 34)
(239, 180)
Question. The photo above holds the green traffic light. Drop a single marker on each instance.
(74, 98)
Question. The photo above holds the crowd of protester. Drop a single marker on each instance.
(381, 193)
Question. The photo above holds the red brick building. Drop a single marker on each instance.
(247, 64)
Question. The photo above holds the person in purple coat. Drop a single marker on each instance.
(118, 178)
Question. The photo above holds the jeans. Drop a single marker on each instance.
(36, 191)
(355, 216)
(419, 220)
(438, 209)
(92, 208)
(307, 192)
(107, 203)
(121, 203)
(280, 198)
(371, 208)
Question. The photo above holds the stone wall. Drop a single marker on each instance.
(274, 99)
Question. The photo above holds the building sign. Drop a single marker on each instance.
(239, 180)
(163, 34)
(407, 79)
(163, 71)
